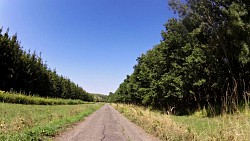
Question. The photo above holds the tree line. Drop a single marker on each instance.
(202, 61)
(26, 72)
(99, 97)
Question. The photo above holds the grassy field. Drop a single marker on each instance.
(234, 127)
(195, 127)
(39, 122)
(7, 97)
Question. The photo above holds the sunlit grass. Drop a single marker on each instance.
(235, 127)
(35, 122)
(228, 127)
(24, 99)
(155, 123)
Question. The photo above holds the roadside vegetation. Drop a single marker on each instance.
(39, 122)
(230, 127)
(198, 126)
(154, 122)
(202, 61)
(7, 97)
(196, 81)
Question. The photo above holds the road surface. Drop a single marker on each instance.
(106, 124)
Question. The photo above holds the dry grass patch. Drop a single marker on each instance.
(234, 127)
(155, 123)
(221, 128)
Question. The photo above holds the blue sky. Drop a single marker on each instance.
(93, 42)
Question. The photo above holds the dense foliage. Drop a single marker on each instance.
(203, 60)
(25, 71)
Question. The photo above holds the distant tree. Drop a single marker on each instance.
(26, 72)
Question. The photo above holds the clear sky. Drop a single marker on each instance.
(95, 43)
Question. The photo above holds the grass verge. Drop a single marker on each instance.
(39, 122)
(234, 127)
(154, 122)
(24, 99)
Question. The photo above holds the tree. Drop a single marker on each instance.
(26, 72)
(203, 60)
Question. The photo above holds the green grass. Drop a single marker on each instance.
(228, 127)
(39, 122)
(24, 99)
(235, 127)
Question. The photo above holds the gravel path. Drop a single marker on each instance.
(106, 124)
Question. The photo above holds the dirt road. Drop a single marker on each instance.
(106, 124)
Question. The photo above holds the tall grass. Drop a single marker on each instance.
(235, 127)
(230, 127)
(155, 123)
(7, 97)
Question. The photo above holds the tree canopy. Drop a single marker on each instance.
(203, 60)
(25, 71)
